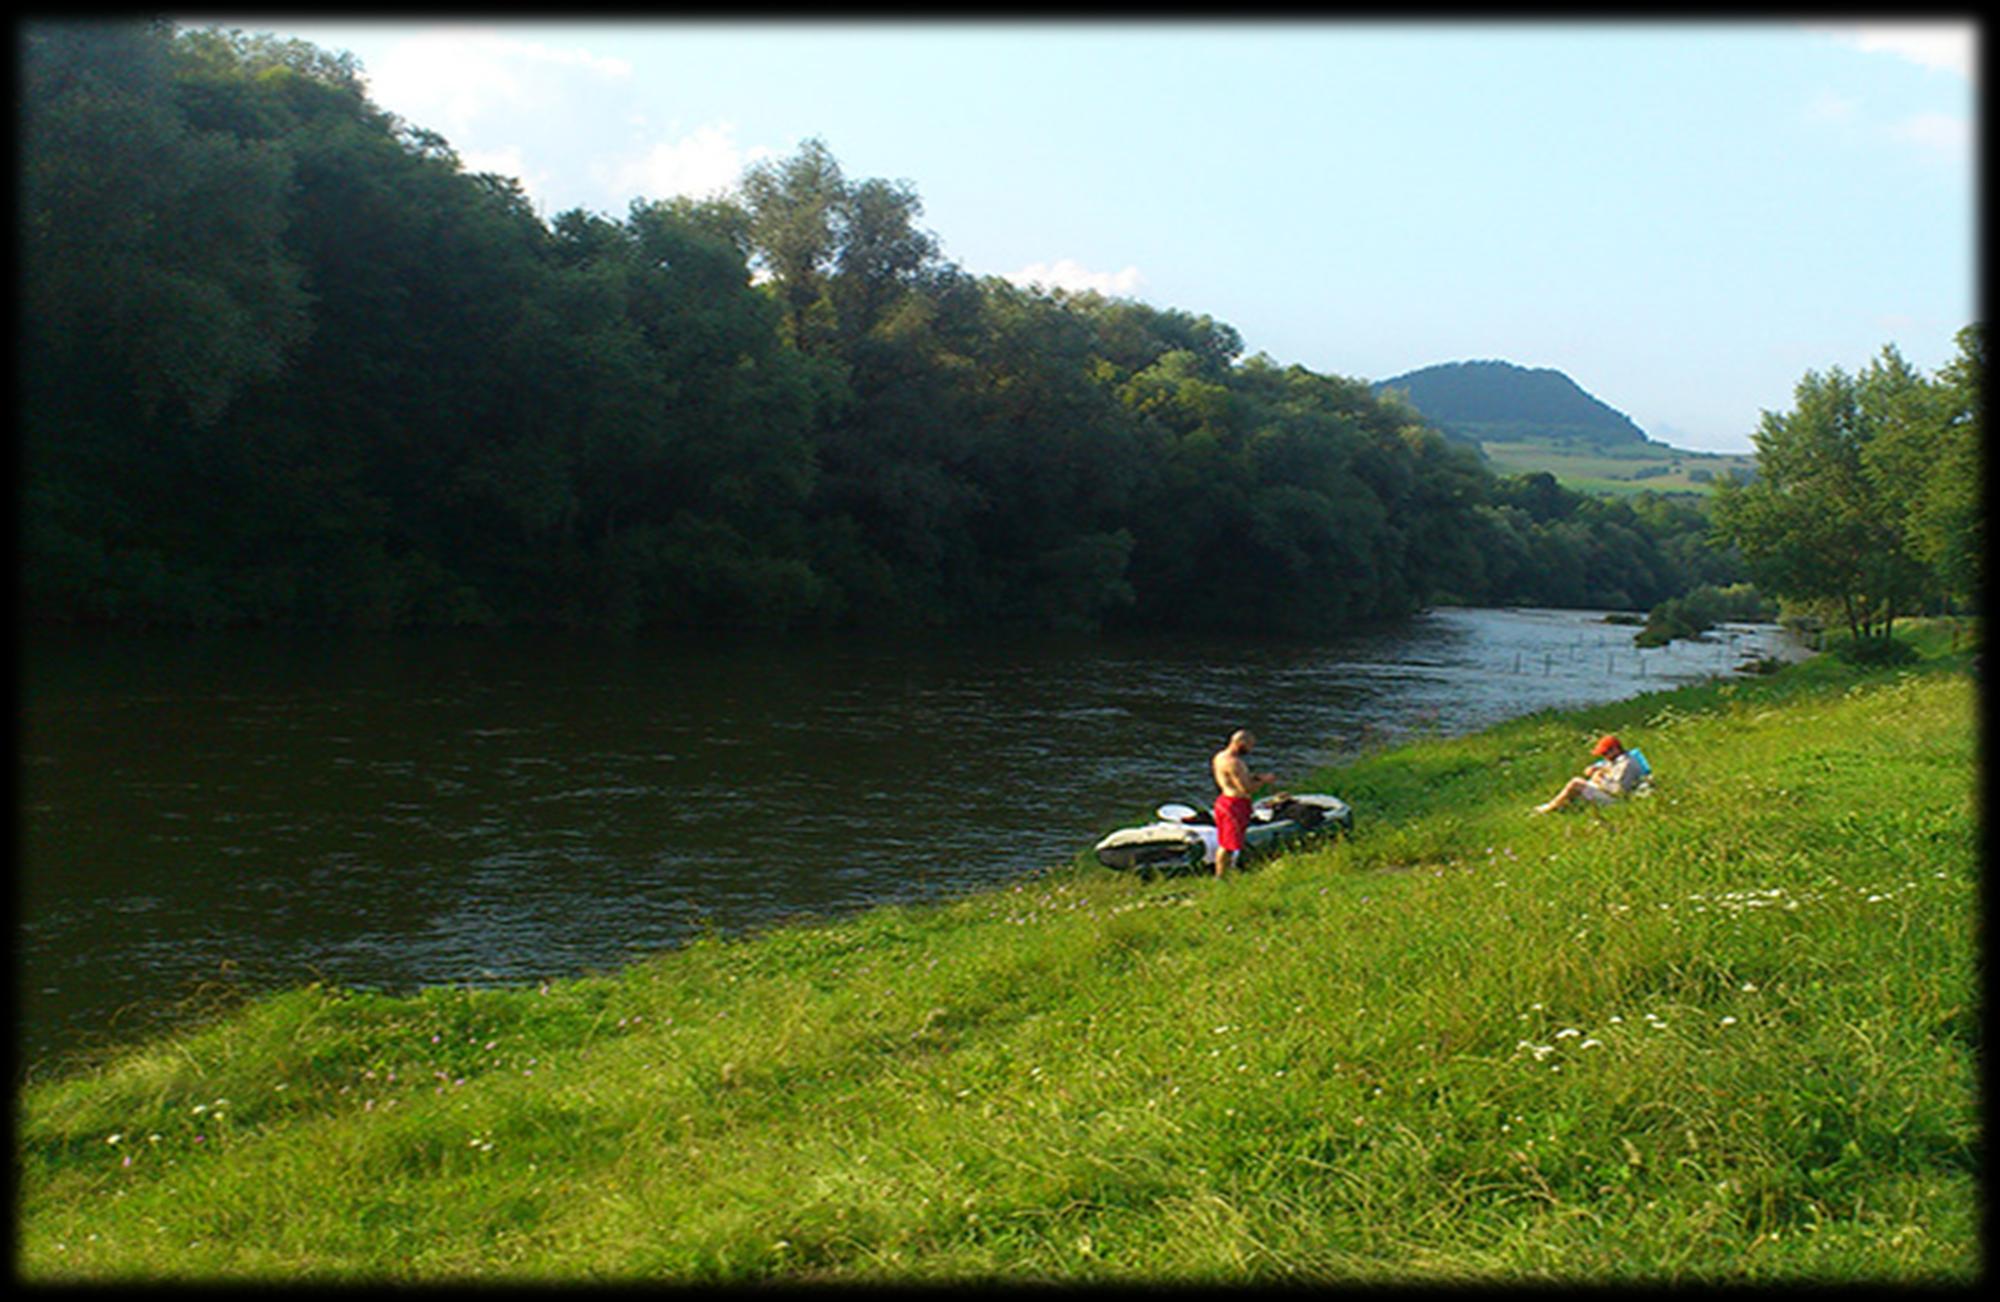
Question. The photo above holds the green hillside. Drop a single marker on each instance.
(1493, 401)
(1537, 420)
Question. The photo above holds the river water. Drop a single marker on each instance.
(394, 811)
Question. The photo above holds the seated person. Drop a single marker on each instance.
(1610, 775)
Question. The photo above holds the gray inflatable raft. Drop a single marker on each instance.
(1184, 836)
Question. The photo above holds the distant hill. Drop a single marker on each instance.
(1499, 402)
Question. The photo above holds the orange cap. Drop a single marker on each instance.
(1605, 744)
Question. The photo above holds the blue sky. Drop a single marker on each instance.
(1683, 217)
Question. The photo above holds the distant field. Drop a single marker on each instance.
(1655, 467)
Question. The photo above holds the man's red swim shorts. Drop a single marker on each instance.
(1232, 816)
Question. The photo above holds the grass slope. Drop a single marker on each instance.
(1725, 1033)
(1615, 471)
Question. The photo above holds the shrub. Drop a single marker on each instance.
(1702, 609)
(1875, 652)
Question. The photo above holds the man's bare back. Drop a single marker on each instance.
(1232, 776)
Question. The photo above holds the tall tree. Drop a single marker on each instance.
(881, 252)
(1926, 461)
(1814, 526)
(793, 205)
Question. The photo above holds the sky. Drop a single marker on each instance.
(1683, 217)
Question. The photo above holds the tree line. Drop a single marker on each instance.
(284, 361)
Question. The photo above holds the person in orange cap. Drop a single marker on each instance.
(1608, 777)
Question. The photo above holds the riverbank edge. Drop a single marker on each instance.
(217, 1097)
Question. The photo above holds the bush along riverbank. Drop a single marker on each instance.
(1725, 1032)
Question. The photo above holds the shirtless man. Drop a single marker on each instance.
(1232, 808)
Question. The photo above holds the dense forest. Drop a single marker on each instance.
(284, 361)
(1499, 401)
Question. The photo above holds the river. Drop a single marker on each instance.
(393, 811)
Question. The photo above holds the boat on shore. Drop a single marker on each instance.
(1184, 837)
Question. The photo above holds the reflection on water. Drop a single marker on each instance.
(395, 811)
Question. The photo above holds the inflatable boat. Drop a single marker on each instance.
(1184, 836)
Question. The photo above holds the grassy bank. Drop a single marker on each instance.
(1727, 1032)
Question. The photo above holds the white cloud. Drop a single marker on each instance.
(1941, 137)
(1941, 134)
(704, 163)
(447, 78)
(1951, 47)
(507, 161)
(1067, 273)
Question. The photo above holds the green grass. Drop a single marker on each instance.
(1728, 1032)
(1611, 472)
